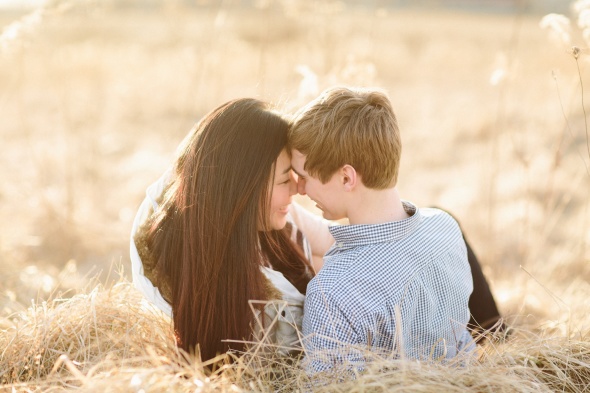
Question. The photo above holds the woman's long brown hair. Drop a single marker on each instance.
(205, 238)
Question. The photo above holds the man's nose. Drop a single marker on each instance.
(301, 186)
(293, 186)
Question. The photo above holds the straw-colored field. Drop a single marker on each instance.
(94, 99)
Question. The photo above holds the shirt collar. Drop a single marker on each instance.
(363, 234)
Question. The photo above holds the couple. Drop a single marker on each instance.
(218, 245)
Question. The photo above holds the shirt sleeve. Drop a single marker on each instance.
(330, 339)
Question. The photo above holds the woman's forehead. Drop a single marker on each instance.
(283, 164)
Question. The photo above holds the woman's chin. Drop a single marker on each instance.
(278, 223)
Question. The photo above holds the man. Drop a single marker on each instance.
(397, 280)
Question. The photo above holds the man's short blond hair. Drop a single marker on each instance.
(349, 126)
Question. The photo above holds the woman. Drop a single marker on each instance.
(216, 237)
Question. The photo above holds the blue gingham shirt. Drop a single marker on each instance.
(398, 288)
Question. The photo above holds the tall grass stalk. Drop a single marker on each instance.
(576, 55)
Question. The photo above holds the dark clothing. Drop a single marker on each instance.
(482, 306)
(484, 312)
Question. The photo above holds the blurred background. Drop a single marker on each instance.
(491, 99)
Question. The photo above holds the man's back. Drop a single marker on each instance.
(414, 271)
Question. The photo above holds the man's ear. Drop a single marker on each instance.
(349, 177)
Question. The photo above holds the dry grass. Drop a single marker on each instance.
(96, 97)
(107, 339)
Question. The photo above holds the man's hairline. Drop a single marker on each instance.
(309, 175)
(293, 150)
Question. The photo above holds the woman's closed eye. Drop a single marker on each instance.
(292, 177)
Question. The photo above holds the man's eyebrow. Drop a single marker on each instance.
(298, 174)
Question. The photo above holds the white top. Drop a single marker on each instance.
(140, 281)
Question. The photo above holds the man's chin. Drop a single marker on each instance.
(329, 216)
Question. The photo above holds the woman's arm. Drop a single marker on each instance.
(315, 229)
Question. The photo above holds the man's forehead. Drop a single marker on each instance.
(297, 161)
(297, 155)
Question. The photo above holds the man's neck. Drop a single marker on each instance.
(376, 207)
